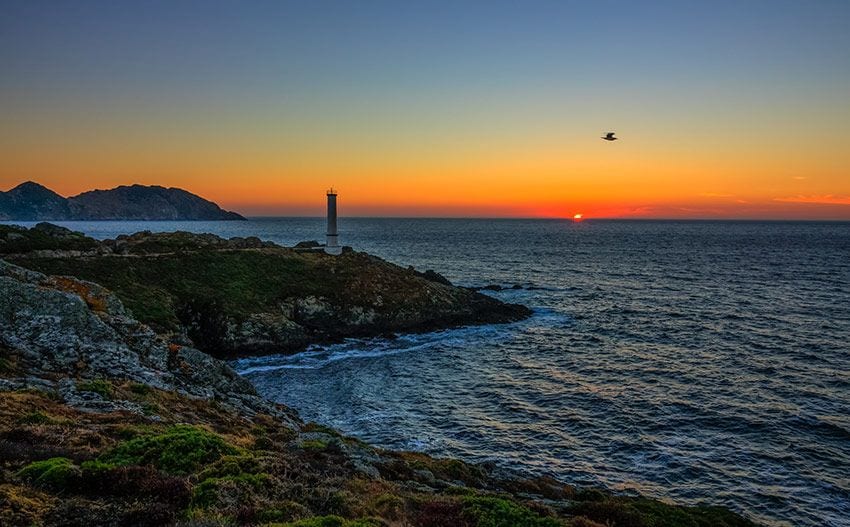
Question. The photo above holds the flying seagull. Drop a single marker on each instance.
(610, 137)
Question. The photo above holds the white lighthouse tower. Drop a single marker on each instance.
(332, 246)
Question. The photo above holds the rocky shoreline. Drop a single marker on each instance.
(105, 421)
(246, 296)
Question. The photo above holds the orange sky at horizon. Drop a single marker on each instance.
(723, 109)
(632, 178)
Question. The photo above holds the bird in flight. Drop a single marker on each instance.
(610, 137)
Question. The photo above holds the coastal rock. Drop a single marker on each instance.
(312, 244)
(63, 327)
(432, 275)
(247, 296)
(44, 239)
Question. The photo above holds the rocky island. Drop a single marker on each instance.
(30, 201)
(113, 414)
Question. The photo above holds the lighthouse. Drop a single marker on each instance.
(332, 246)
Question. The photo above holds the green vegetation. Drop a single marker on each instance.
(160, 290)
(643, 512)
(314, 444)
(52, 473)
(206, 493)
(99, 386)
(156, 473)
(15, 239)
(179, 450)
(332, 521)
(499, 512)
(208, 287)
(205, 462)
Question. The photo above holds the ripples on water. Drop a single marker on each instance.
(688, 360)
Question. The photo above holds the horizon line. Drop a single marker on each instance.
(545, 218)
(489, 218)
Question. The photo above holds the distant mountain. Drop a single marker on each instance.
(33, 202)
(138, 202)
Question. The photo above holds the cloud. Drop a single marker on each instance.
(800, 178)
(827, 199)
(715, 195)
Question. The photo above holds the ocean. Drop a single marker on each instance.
(700, 361)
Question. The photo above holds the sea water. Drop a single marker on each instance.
(701, 361)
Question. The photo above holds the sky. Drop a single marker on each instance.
(724, 109)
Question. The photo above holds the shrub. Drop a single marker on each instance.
(498, 512)
(314, 444)
(206, 493)
(231, 466)
(54, 473)
(181, 449)
(389, 506)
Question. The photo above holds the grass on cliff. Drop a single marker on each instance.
(156, 288)
(159, 288)
(125, 469)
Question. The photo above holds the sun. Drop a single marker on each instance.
(577, 217)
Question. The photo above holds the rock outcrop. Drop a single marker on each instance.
(243, 295)
(63, 327)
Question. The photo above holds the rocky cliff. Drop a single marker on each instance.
(102, 422)
(33, 202)
(243, 295)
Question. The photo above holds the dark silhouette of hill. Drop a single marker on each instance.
(33, 202)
